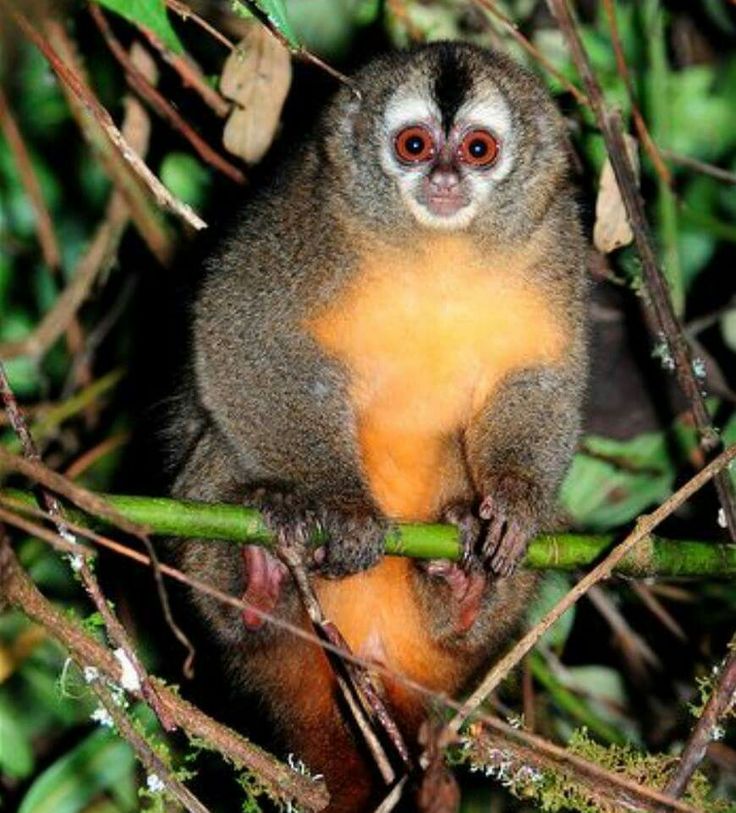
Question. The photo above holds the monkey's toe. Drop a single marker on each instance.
(263, 577)
(511, 509)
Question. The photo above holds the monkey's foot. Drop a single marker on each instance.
(467, 586)
(264, 575)
(511, 507)
(356, 536)
(287, 516)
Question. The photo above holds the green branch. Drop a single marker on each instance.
(656, 556)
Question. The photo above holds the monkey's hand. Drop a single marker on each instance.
(512, 506)
(354, 530)
(356, 536)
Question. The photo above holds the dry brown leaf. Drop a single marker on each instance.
(256, 77)
(612, 229)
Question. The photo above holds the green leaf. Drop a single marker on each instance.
(70, 783)
(275, 10)
(185, 177)
(552, 588)
(694, 98)
(325, 27)
(150, 14)
(614, 481)
(16, 754)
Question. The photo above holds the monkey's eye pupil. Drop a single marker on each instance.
(477, 148)
(414, 145)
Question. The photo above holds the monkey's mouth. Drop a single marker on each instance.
(444, 205)
(444, 202)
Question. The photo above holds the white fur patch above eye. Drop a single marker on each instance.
(408, 107)
(491, 111)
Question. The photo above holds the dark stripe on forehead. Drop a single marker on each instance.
(451, 86)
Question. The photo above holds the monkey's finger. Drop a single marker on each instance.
(494, 535)
(510, 551)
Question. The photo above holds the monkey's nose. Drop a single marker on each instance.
(444, 180)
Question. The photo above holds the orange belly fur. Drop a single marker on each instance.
(378, 616)
(427, 333)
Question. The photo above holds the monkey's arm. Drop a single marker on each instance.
(281, 405)
(519, 447)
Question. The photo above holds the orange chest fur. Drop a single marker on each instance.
(427, 334)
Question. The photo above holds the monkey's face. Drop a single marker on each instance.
(450, 136)
(446, 162)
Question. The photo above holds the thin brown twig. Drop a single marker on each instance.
(29, 179)
(151, 761)
(636, 650)
(296, 50)
(491, 742)
(655, 152)
(56, 541)
(158, 103)
(115, 630)
(705, 730)
(658, 610)
(644, 526)
(659, 310)
(536, 751)
(186, 13)
(91, 456)
(190, 74)
(351, 682)
(511, 27)
(148, 219)
(700, 166)
(84, 94)
(279, 779)
(623, 69)
(98, 257)
(35, 470)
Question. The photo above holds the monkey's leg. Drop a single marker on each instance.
(518, 449)
(290, 676)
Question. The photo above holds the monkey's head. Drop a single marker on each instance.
(448, 136)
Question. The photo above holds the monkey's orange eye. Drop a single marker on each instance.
(479, 148)
(414, 144)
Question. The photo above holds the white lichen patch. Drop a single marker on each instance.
(102, 716)
(129, 679)
(76, 561)
(155, 784)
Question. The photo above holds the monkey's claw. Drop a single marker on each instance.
(511, 508)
